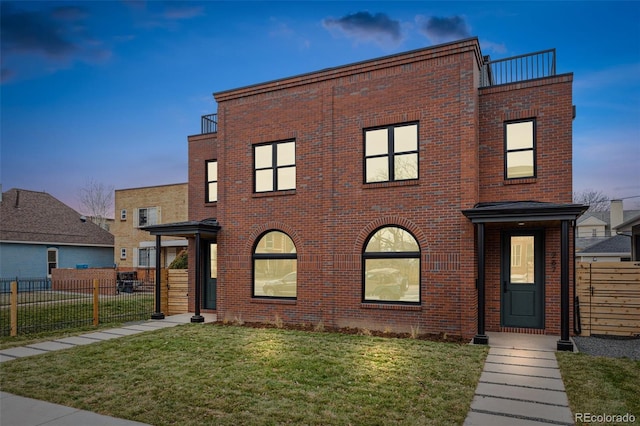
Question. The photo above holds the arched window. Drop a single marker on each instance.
(391, 267)
(275, 266)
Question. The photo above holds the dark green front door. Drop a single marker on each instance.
(522, 301)
(211, 276)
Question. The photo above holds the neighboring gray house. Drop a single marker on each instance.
(39, 233)
(632, 227)
(611, 249)
(596, 227)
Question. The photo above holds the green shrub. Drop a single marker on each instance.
(181, 261)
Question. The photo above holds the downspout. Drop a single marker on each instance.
(577, 327)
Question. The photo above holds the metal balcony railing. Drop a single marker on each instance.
(518, 68)
(209, 124)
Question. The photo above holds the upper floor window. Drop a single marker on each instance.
(520, 149)
(123, 214)
(212, 181)
(391, 153)
(275, 271)
(274, 166)
(52, 260)
(391, 270)
(147, 216)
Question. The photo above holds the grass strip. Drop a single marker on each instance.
(600, 386)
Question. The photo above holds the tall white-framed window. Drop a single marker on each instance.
(123, 214)
(52, 260)
(123, 253)
(147, 216)
(146, 257)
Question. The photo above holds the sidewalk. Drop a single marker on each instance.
(520, 384)
(20, 411)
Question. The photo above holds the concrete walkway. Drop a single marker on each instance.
(20, 411)
(520, 384)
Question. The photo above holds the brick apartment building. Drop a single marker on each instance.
(429, 190)
(136, 208)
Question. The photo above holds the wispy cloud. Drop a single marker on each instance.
(443, 29)
(168, 17)
(279, 29)
(365, 27)
(607, 166)
(620, 75)
(489, 46)
(57, 34)
(181, 12)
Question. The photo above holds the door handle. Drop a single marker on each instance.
(504, 286)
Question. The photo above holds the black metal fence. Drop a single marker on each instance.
(519, 68)
(209, 124)
(32, 305)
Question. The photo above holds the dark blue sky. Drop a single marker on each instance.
(109, 90)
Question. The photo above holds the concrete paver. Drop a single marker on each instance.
(50, 346)
(546, 396)
(527, 381)
(533, 371)
(141, 327)
(476, 418)
(76, 340)
(124, 331)
(527, 409)
(22, 351)
(523, 353)
(535, 362)
(101, 335)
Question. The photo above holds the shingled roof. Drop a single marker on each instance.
(613, 245)
(37, 217)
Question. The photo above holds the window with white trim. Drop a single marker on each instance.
(147, 216)
(52, 260)
(147, 257)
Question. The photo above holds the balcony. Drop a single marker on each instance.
(209, 124)
(518, 68)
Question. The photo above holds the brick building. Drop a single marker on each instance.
(420, 190)
(136, 208)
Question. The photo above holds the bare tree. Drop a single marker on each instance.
(596, 200)
(96, 200)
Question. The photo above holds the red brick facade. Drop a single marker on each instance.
(332, 212)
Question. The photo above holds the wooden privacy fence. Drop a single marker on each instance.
(609, 298)
(175, 295)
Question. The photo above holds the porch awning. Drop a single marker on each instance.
(523, 211)
(207, 228)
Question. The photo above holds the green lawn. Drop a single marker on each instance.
(601, 386)
(231, 375)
